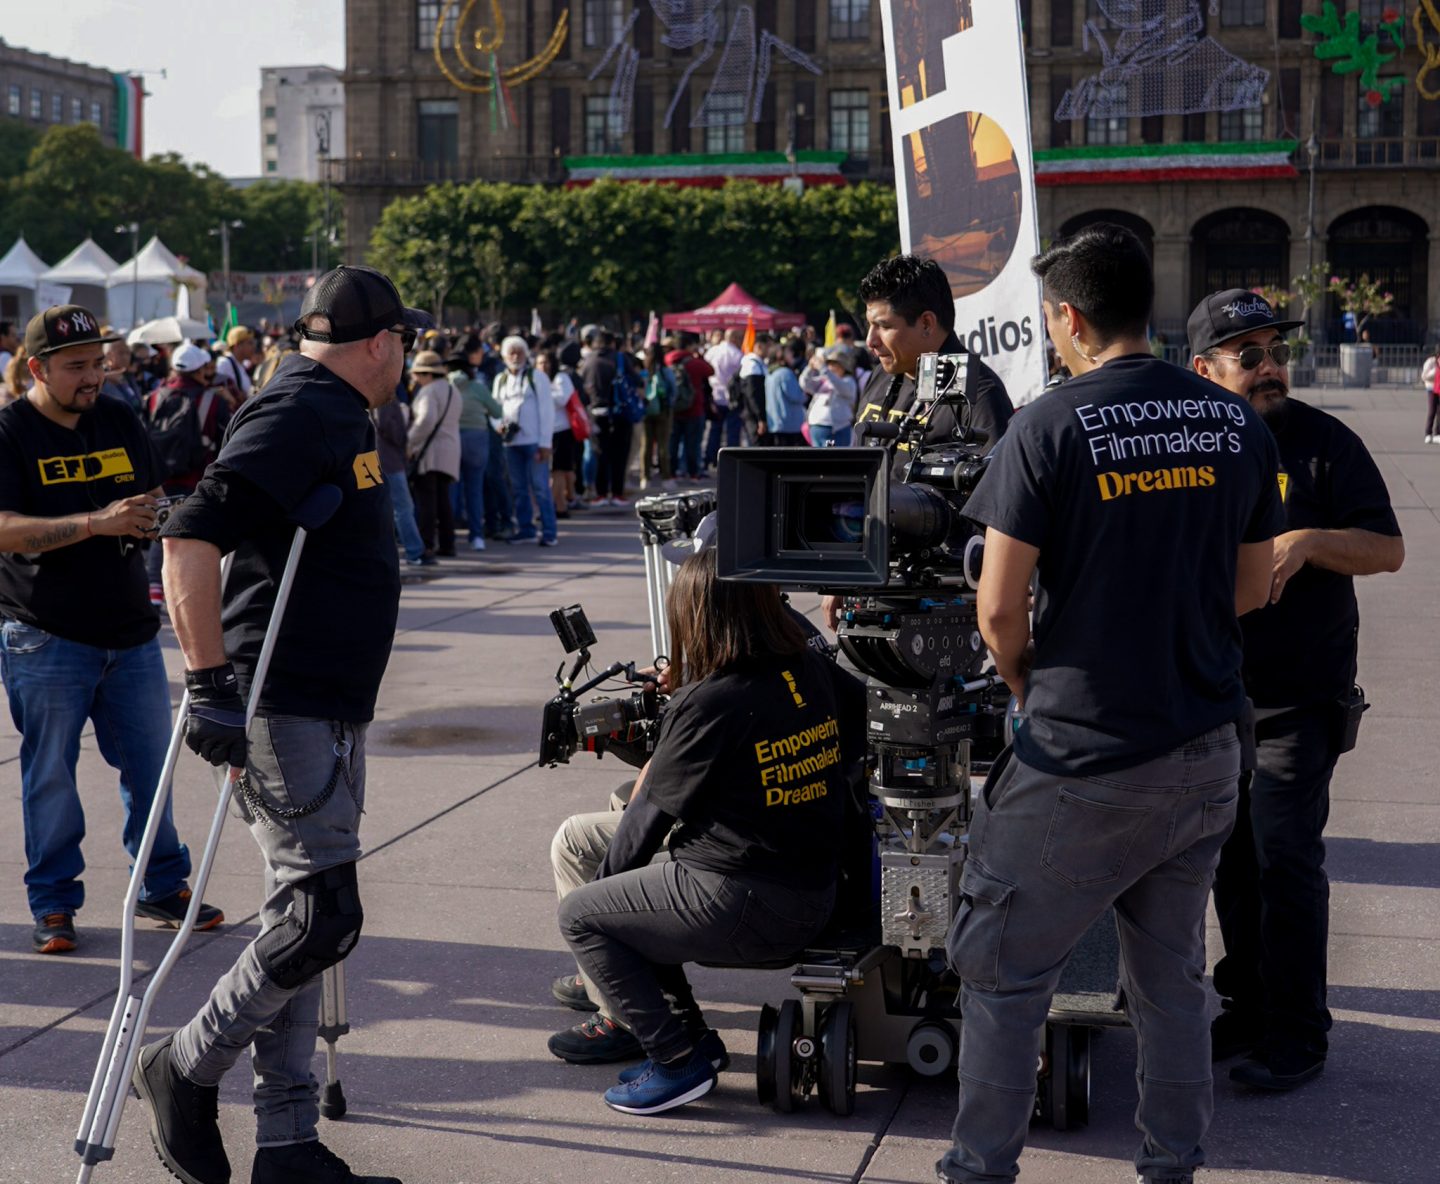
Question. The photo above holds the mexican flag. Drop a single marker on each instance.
(708, 169)
(129, 113)
(1115, 164)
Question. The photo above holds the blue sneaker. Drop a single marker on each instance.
(709, 1043)
(662, 1087)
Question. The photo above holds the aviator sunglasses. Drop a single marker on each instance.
(1252, 355)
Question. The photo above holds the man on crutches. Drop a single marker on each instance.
(300, 774)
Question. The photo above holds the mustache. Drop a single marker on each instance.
(1270, 386)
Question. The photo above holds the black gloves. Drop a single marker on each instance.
(215, 727)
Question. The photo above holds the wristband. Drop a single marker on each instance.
(212, 678)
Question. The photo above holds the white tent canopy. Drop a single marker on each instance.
(79, 278)
(20, 272)
(143, 288)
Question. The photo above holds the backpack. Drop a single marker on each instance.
(682, 398)
(658, 393)
(174, 420)
(625, 400)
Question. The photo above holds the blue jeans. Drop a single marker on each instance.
(822, 434)
(726, 430)
(54, 687)
(404, 507)
(499, 500)
(590, 464)
(685, 441)
(1048, 855)
(531, 480)
(474, 457)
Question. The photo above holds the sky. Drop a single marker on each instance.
(207, 107)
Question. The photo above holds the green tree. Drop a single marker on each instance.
(17, 141)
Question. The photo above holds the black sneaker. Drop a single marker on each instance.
(184, 1118)
(1233, 1033)
(569, 989)
(1277, 1070)
(595, 1042)
(170, 911)
(55, 934)
(306, 1163)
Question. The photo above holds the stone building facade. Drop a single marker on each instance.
(41, 91)
(1306, 164)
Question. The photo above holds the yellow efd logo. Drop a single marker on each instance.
(1284, 479)
(62, 470)
(367, 470)
(794, 688)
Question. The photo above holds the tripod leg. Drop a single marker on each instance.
(334, 1023)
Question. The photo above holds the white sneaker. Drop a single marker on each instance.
(477, 543)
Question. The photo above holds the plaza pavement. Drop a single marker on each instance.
(446, 1071)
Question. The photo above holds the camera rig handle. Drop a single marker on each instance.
(567, 684)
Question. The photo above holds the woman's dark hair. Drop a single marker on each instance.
(654, 358)
(912, 286)
(1104, 272)
(715, 623)
(546, 354)
(459, 361)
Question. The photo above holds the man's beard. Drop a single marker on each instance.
(1268, 397)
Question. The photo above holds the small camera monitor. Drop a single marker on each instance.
(807, 516)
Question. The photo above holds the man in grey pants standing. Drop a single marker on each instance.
(301, 786)
(1148, 504)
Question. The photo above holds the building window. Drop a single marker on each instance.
(270, 166)
(97, 113)
(14, 104)
(438, 131)
(1247, 124)
(77, 110)
(1109, 129)
(57, 108)
(849, 20)
(604, 133)
(1385, 125)
(726, 130)
(270, 111)
(427, 16)
(1062, 22)
(269, 138)
(37, 103)
(603, 22)
(1242, 13)
(850, 121)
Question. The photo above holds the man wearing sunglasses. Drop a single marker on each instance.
(1271, 893)
(302, 789)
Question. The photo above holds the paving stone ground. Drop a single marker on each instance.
(446, 1071)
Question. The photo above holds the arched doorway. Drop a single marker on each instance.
(1238, 248)
(1391, 246)
(1142, 228)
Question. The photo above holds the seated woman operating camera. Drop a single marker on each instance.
(754, 761)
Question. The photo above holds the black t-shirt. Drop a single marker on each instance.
(990, 407)
(306, 428)
(754, 762)
(1138, 482)
(95, 591)
(1301, 651)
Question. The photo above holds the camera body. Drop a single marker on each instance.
(624, 724)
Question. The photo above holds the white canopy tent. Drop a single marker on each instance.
(86, 273)
(143, 288)
(20, 272)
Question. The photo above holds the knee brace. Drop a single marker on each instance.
(320, 929)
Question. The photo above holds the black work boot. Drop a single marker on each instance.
(306, 1163)
(184, 1118)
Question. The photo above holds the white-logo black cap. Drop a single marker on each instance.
(60, 327)
(1231, 313)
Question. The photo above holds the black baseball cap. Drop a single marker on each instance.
(1223, 315)
(360, 302)
(60, 327)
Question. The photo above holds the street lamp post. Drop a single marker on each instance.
(223, 230)
(134, 231)
(322, 152)
(1312, 150)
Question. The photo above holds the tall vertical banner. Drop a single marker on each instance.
(129, 114)
(960, 115)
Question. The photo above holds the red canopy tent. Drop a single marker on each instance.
(732, 309)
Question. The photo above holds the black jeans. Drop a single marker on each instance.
(1432, 414)
(1271, 892)
(434, 514)
(613, 441)
(630, 932)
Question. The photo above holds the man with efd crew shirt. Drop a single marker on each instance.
(301, 786)
(1271, 893)
(1147, 504)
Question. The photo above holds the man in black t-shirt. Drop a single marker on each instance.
(299, 775)
(1146, 503)
(78, 488)
(1271, 893)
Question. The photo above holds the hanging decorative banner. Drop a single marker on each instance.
(1130, 164)
(453, 29)
(1354, 51)
(961, 124)
(130, 113)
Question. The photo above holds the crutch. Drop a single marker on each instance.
(109, 1088)
(334, 1023)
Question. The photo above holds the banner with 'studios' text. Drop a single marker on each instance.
(961, 121)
